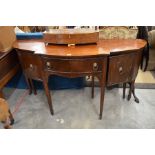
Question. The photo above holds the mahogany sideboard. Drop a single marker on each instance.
(111, 61)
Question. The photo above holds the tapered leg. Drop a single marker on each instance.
(133, 92)
(47, 91)
(130, 91)
(124, 88)
(33, 87)
(28, 84)
(101, 101)
(92, 92)
(102, 87)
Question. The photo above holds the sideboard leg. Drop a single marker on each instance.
(92, 92)
(47, 91)
(28, 84)
(124, 88)
(130, 91)
(133, 92)
(102, 86)
(33, 87)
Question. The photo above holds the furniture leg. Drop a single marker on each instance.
(102, 87)
(92, 92)
(48, 96)
(11, 118)
(28, 84)
(33, 87)
(124, 88)
(1, 94)
(133, 92)
(130, 91)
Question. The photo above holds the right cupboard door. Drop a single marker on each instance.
(123, 68)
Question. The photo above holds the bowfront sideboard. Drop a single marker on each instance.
(111, 61)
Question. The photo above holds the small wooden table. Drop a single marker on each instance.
(111, 61)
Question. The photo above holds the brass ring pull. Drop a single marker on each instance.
(95, 66)
(48, 65)
(120, 69)
(31, 66)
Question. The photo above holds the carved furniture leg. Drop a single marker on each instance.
(28, 84)
(92, 93)
(124, 88)
(33, 87)
(47, 91)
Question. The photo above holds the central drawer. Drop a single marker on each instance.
(83, 65)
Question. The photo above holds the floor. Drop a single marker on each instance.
(74, 109)
(145, 77)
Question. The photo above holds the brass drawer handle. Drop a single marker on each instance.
(48, 65)
(120, 69)
(95, 66)
(31, 67)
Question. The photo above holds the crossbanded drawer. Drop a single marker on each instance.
(82, 65)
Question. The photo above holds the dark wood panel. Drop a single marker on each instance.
(7, 63)
(31, 64)
(123, 68)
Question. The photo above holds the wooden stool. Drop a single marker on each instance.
(5, 114)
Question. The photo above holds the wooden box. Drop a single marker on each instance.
(71, 36)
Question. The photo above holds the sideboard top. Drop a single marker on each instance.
(103, 47)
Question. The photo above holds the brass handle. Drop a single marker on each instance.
(95, 66)
(31, 66)
(120, 69)
(48, 65)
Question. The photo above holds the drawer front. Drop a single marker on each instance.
(87, 65)
(59, 65)
(31, 64)
(83, 65)
(120, 68)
